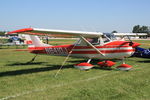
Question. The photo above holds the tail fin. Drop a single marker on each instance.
(35, 41)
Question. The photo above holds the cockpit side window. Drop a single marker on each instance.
(94, 41)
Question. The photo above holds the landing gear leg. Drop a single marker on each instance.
(32, 59)
(89, 61)
(123, 61)
(124, 66)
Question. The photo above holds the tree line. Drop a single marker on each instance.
(141, 29)
(2, 33)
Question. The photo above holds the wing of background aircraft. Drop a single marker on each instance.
(56, 33)
(130, 34)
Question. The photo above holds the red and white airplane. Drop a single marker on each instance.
(91, 45)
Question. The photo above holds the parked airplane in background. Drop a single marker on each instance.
(141, 52)
(91, 45)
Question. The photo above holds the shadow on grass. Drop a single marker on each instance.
(77, 61)
(99, 68)
(26, 63)
(145, 61)
(32, 70)
(42, 69)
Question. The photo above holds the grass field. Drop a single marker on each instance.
(20, 80)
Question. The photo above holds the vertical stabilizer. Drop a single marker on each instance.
(35, 41)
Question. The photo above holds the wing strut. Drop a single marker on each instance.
(92, 46)
(66, 59)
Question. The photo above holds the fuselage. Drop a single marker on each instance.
(110, 50)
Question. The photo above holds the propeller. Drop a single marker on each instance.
(131, 43)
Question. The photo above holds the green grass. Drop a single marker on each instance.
(20, 80)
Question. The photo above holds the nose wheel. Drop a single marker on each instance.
(123, 66)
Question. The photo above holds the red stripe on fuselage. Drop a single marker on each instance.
(66, 51)
(88, 47)
(77, 47)
(38, 51)
(103, 51)
(63, 49)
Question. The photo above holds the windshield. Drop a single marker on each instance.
(110, 36)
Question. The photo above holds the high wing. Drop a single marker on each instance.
(56, 33)
(67, 33)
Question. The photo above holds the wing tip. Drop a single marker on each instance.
(20, 30)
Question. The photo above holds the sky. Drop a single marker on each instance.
(82, 15)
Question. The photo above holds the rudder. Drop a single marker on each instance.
(32, 40)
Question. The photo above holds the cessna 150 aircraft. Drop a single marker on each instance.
(91, 45)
